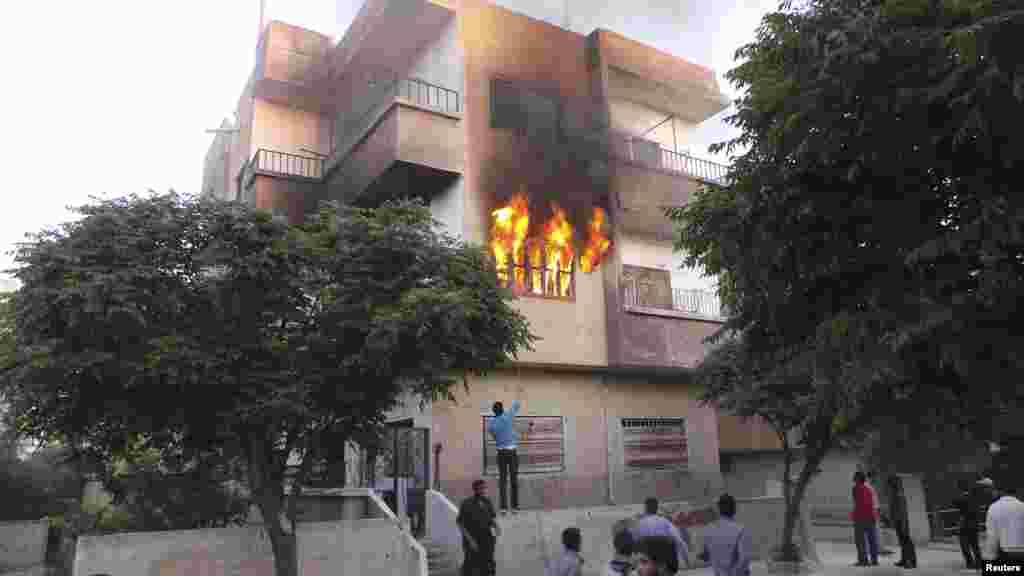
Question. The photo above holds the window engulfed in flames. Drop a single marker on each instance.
(543, 264)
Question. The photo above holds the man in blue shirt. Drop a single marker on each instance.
(651, 524)
(506, 440)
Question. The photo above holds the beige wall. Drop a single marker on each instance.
(638, 120)
(430, 139)
(571, 332)
(592, 405)
(366, 546)
(649, 252)
(284, 129)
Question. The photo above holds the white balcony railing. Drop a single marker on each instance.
(691, 301)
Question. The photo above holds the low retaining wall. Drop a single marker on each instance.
(23, 544)
(530, 539)
(374, 545)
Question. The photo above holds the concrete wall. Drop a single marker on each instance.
(529, 540)
(572, 332)
(737, 434)
(592, 406)
(365, 546)
(440, 62)
(286, 129)
(749, 475)
(448, 207)
(649, 252)
(23, 544)
(650, 124)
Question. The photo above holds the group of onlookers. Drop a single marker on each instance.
(1004, 523)
(649, 545)
(868, 513)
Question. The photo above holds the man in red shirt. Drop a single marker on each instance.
(865, 518)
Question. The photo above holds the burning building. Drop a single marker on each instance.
(558, 152)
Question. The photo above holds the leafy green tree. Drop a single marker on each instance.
(215, 335)
(873, 221)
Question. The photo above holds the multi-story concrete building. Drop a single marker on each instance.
(559, 151)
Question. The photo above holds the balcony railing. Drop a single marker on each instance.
(691, 301)
(278, 163)
(411, 90)
(651, 155)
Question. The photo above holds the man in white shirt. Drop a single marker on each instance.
(1004, 529)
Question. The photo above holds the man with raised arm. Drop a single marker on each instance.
(506, 439)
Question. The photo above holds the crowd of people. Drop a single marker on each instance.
(649, 545)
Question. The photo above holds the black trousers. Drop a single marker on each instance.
(479, 562)
(908, 554)
(970, 547)
(508, 472)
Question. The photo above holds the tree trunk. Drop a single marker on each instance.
(793, 496)
(286, 563)
(266, 487)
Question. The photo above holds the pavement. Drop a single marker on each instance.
(838, 558)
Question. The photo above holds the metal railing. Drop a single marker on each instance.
(281, 163)
(945, 523)
(411, 90)
(692, 301)
(652, 155)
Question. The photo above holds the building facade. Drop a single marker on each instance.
(557, 150)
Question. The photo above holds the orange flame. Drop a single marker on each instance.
(535, 252)
(598, 243)
(508, 233)
(559, 251)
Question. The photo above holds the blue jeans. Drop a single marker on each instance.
(866, 536)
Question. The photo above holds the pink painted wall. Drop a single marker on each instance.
(592, 404)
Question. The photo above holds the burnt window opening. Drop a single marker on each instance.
(539, 274)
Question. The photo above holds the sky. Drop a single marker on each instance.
(111, 97)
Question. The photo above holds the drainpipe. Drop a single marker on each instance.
(608, 441)
(437, 467)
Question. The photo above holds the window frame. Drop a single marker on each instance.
(639, 422)
(491, 469)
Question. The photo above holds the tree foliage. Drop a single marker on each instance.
(217, 336)
(870, 240)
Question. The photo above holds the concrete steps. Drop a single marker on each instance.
(438, 561)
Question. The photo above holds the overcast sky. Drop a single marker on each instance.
(110, 97)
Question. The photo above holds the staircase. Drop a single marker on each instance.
(438, 561)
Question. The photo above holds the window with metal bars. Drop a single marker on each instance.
(541, 447)
(654, 443)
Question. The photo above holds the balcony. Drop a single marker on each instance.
(284, 183)
(703, 304)
(407, 140)
(660, 327)
(648, 178)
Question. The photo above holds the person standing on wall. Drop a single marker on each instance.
(901, 523)
(502, 429)
(967, 505)
(864, 518)
(476, 521)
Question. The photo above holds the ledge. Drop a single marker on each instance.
(667, 313)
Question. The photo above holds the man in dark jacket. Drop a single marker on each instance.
(901, 523)
(967, 505)
(476, 521)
